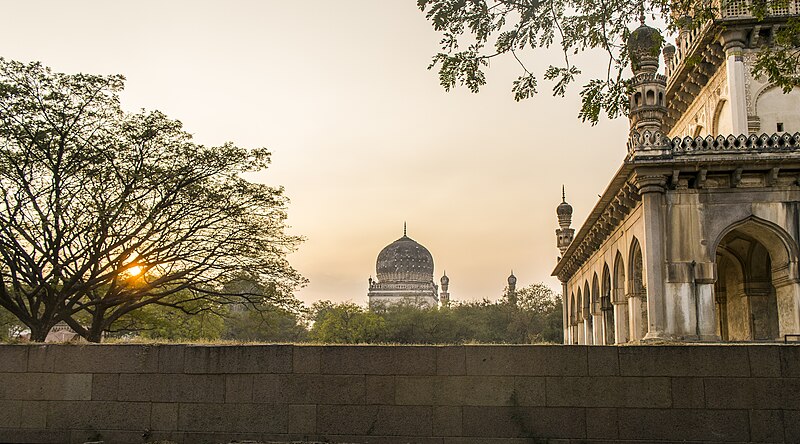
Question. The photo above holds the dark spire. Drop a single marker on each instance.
(404, 229)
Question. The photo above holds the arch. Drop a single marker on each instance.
(620, 300)
(661, 98)
(588, 323)
(650, 97)
(757, 292)
(722, 122)
(606, 307)
(773, 106)
(573, 312)
(578, 307)
(637, 304)
(637, 99)
(595, 295)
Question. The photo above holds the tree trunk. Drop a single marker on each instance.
(39, 333)
(95, 331)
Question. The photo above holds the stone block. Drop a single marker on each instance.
(451, 360)
(306, 358)
(601, 424)
(464, 440)
(530, 391)
(323, 389)
(46, 386)
(41, 358)
(122, 436)
(454, 390)
(94, 358)
(40, 436)
(683, 425)
(109, 415)
(791, 424)
(743, 393)
(255, 418)
(355, 360)
(790, 361)
(515, 360)
(302, 419)
(414, 360)
(376, 420)
(766, 426)
(13, 358)
(238, 388)
(688, 393)
(603, 361)
(380, 389)
(104, 386)
(695, 361)
(164, 416)
(447, 421)
(790, 393)
(268, 389)
(609, 391)
(23, 414)
(172, 388)
(170, 358)
(238, 359)
(523, 422)
(765, 361)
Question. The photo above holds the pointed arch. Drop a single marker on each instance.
(606, 308)
(595, 308)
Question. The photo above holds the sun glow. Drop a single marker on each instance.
(135, 270)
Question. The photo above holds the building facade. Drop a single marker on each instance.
(696, 236)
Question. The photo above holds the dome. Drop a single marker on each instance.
(512, 280)
(445, 280)
(404, 260)
(564, 209)
(644, 46)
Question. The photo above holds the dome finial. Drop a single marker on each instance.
(563, 193)
(404, 229)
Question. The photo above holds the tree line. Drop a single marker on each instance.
(531, 315)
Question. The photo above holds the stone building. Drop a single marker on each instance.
(696, 236)
(404, 272)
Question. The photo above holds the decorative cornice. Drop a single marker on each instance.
(692, 146)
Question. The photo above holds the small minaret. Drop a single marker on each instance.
(648, 88)
(444, 296)
(512, 289)
(565, 233)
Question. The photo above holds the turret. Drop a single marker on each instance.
(512, 289)
(647, 104)
(564, 234)
(444, 296)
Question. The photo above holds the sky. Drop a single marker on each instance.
(363, 136)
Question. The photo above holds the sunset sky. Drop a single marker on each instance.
(362, 135)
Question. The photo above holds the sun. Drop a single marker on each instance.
(135, 270)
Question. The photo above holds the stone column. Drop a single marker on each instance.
(588, 331)
(705, 275)
(581, 340)
(598, 323)
(621, 321)
(565, 313)
(733, 41)
(787, 291)
(651, 188)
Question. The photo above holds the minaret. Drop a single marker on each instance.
(647, 102)
(565, 233)
(444, 296)
(512, 289)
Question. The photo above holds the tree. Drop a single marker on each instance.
(346, 323)
(104, 212)
(268, 323)
(498, 27)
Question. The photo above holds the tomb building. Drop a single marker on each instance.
(404, 274)
(696, 236)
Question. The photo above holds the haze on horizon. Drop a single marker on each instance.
(362, 135)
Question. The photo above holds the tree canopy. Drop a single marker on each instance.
(475, 31)
(103, 212)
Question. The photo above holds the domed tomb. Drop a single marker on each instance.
(404, 272)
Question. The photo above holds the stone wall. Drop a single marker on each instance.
(384, 394)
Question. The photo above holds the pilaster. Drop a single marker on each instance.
(652, 188)
(733, 42)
